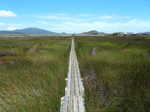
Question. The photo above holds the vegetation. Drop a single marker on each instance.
(116, 73)
(32, 79)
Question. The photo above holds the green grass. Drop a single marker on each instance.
(116, 77)
(34, 79)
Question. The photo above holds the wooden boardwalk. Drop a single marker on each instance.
(73, 101)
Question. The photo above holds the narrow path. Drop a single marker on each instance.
(73, 101)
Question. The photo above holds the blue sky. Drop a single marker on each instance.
(76, 15)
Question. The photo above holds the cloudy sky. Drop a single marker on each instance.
(76, 15)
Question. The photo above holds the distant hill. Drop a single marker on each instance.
(9, 32)
(92, 33)
(145, 33)
(28, 31)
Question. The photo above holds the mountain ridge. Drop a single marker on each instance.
(30, 30)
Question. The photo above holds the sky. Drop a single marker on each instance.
(74, 16)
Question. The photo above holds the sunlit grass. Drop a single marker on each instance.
(34, 79)
(116, 77)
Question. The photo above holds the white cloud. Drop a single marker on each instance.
(133, 25)
(12, 27)
(9, 26)
(84, 22)
(7, 13)
(1, 24)
(82, 17)
(42, 22)
(60, 17)
(106, 17)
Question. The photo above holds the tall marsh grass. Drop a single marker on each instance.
(117, 76)
(34, 79)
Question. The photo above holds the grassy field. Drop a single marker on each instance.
(32, 77)
(116, 74)
(115, 71)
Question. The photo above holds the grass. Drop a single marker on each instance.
(33, 79)
(115, 71)
(116, 77)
